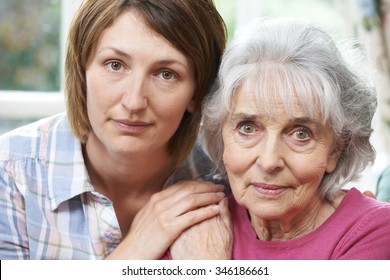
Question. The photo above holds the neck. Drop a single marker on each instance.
(127, 179)
(129, 174)
(296, 224)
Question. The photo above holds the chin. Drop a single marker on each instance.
(265, 211)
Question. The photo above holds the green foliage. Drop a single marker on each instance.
(370, 23)
(30, 45)
(227, 8)
(322, 12)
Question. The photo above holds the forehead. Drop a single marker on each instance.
(270, 103)
(274, 88)
(129, 32)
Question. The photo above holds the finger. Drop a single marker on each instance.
(193, 202)
(176, 206)
(224, 212)
(173, 228)
(170, 210)
(370, 194)
(196, 216)
(188, 195)
(186, 187)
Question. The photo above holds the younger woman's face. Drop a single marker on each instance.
(138, 88)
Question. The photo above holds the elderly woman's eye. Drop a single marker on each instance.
(301, 134)
(246, 128)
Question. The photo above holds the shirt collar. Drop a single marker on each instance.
(67, 174)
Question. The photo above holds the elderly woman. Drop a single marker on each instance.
(289, 125)
(104, 180)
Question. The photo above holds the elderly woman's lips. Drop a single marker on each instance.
(269, 190)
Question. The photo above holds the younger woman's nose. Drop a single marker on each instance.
(134, 95)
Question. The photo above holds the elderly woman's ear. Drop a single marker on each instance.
(333, 157)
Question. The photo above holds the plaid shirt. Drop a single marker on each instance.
(48, 207)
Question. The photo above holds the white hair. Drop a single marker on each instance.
(295, 59)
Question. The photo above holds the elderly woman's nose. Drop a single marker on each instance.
(270, 158)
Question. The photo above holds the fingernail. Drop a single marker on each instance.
(221, 194)
(225, 202)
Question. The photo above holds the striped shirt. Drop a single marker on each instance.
(48, 207)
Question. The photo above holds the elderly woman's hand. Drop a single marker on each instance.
(210, 239)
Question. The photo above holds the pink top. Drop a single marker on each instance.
(358, 229)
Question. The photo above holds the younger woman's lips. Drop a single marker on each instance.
(132, 126)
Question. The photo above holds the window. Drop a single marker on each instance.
(33, 37)
(322, 12)
(32, 46)
(32, 41)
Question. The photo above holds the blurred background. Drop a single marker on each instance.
(33, 37)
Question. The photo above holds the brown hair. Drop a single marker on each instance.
(194, 27)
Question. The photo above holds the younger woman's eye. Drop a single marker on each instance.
(167, 75)
(115, 66)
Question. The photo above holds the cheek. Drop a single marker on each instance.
(237, 168)
(170, 112)
(92, 101)
(100, 95)
(94, 86)
(90, 95)
(171, 104)
(229, 156)
(237, 160)
(308, 168)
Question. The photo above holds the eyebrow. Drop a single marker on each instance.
(305, 120)
(244, 116)
(128, 56)
(252, 117)
(115, 50)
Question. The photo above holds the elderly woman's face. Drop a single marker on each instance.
(275, 165)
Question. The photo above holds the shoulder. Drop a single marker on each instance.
(367, 214)
(197, 166)
(43, 159)
(362, 204)
(202, 165)
(32, 140)
(365, 225)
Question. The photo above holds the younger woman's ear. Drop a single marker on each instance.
(191, 106)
